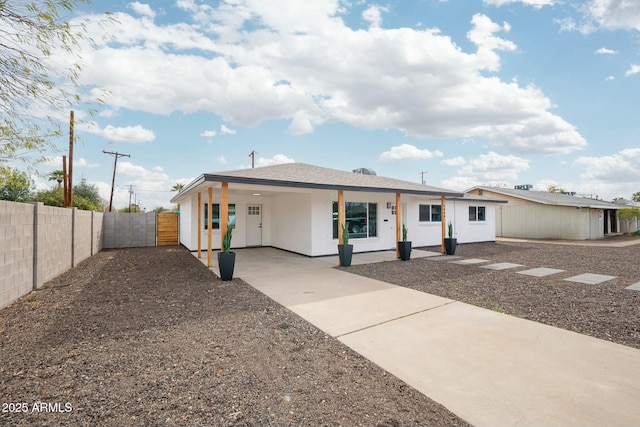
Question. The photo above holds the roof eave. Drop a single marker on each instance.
(317, 186)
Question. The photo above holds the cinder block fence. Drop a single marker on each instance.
(38, 242)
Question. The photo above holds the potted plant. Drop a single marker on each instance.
(345, 250)
(226, 258)
(404, 247)
(450, 242)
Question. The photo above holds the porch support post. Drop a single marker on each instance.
(340, 215)
(209, 227)
(224, 211)
(199, 225)
(398, 223)
(444, 222)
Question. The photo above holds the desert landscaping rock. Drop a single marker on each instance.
(150, 336)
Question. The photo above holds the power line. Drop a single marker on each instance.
(115, 155)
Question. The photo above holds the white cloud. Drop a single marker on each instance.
(454, 161)
(130, 134)
(493, 168)
(373, 15)
(535, 3)
(616, 175)
(634, 69)
(305, 65)
(603, 14)
(209, 133)
(56, 163)
(278, 159)
(605, 51)
(408, 152)
(614, 14)
(227, 131)
(222, 160)
(622, 166)
(142, 9)
(483, 35)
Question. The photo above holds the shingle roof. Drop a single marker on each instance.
(302, 175)
(547, 198)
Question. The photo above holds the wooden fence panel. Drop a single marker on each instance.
(167, 232)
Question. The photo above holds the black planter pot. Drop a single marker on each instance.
(405, 250)
(345, 253)
(226, 263)
(450, 245)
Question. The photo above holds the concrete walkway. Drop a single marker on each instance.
(489, 368)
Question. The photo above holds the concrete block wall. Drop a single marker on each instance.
(53, 242)
(129, 230)
(97, 239)
(82, 246)
(38, 243)
(16, 250)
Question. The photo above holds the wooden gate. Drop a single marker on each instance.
(167, 229)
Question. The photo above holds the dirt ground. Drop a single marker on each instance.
(150, 336)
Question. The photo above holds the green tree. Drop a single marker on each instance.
(636, 197)
(555, 189)
(628, 214)
(34, 34)
(91, 193)
(15, 186)
(57, 175)
(177, 187)
(55, 197)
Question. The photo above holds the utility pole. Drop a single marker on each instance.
(113, 180)
(252, 154)
(130, 193)
(68, 176)
(422, 176)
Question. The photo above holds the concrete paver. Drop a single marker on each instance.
(470, 261)
(489, 368)
(590, 278)
(634, 287)
(501, 266)
(540, 272)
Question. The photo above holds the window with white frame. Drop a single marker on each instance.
(361, 219)
(477, 213)
(430, 213)
(215, 216)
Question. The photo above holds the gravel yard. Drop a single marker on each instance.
(607, 310)
(150, 336)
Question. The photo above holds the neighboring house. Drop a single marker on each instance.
(294, 207)
(545, 215)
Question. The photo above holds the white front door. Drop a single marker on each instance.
(254, 225)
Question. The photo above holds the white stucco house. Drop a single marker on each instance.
(294, 207)
(545, 215)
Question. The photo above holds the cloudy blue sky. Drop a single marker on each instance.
(472, 92)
